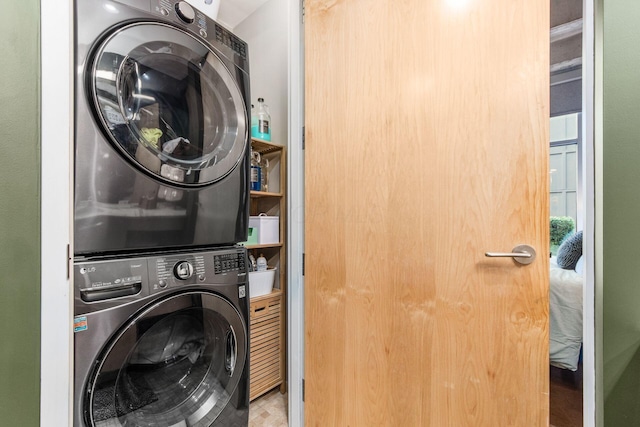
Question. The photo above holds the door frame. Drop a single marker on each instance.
(592, 42)
(295, 216)
(56, 142)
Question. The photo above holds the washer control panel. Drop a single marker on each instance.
(223, 266)
(178, 270)
(183, 270)
(226, 263)
(99, 281)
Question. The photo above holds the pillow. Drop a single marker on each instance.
(570, 251)
(580, 265)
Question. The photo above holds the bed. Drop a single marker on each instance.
(565, 316)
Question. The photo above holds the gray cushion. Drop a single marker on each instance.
(570, 251)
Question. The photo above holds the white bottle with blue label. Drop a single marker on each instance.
(263, 130)
(261, 263)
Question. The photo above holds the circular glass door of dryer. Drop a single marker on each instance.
(169, 104)
(177, 363)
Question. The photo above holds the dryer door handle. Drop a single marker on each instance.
(128, 99)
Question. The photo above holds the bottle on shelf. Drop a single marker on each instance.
(261, 263)
(264, 174)
(264, 121)
(256, 172)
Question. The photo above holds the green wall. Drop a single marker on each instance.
(621, 212)
(20, 213)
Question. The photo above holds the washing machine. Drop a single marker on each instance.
(161, 128)
(162, 340)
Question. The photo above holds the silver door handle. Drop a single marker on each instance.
(522, 254)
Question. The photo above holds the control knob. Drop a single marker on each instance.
(185, 12)
(183, 270)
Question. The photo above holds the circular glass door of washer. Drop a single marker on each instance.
(169, 105)
(177, 363)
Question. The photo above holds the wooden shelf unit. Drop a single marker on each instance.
(268, 312)
(257, 194)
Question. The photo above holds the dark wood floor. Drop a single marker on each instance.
(565, 398)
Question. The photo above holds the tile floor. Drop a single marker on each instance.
(269, 410)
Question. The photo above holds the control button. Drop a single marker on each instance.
(185, 12)
(183, 270)
(203, 32)
(162, 283)
(164, 11)
(201, 277)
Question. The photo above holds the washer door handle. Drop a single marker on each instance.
(100, 294)
(230, 354)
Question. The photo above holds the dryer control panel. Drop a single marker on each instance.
(190, 17)
(199, 23)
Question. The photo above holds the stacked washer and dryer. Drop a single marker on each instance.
(161, 202)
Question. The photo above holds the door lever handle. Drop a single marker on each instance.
(522, 254)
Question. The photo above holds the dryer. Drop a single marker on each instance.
(162, 340)
(161, 128)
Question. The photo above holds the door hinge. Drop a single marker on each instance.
(303, 389)
(68, 262)
(303, 263)
(303, 137)
(303, 11)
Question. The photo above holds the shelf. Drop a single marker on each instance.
(265, 147)
(274, 293)
(259, 194)
(268, 312)
(265, 246)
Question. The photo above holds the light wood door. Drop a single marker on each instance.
(426, 146)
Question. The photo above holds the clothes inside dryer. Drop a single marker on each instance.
(169, 104)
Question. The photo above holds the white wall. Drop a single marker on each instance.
(266, 32)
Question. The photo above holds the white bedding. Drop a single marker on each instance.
(565, 317)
